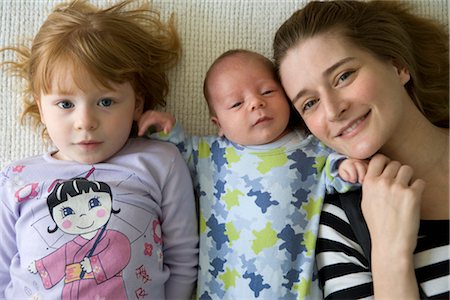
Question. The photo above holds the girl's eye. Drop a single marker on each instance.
(67, 211)
(94, 202)
(268, 92)
(106, 102)
(65, 104)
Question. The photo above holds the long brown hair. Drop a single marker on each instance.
(390, 31)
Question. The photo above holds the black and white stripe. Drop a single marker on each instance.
(344, 271)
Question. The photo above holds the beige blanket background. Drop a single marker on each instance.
(207, 28)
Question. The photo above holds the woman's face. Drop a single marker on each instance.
(349, 99)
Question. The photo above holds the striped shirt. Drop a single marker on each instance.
(343, 269)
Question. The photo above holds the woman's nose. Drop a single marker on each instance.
(334, 107)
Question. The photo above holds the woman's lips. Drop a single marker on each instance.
(354, 125)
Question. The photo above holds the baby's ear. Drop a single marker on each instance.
(217, 123)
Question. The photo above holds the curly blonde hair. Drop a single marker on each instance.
(115, 44)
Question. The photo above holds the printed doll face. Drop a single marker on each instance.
(351, 100)
(88, 123)
(83, 213)
(250, 106)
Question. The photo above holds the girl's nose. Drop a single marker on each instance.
(86, 120)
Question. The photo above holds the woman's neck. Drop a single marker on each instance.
(419, 144)
(425, 148)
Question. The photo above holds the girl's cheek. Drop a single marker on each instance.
(67, 224)
(101, 213)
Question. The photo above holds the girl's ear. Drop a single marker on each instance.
(138, 107)
(217, 123)
(38, 103)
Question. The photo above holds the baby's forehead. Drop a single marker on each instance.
(241, 59)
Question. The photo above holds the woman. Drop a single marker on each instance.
(368, 78)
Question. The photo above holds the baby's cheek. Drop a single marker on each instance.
(67, 224)
(101, 213)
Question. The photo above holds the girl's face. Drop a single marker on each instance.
(88, 123)
(83, 213)
(350, 100)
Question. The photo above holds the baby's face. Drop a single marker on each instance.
(88, 123)
(249, 104)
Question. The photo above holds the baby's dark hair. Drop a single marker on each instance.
(295, 121)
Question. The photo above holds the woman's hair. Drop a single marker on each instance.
(115, 44)
(388, 30)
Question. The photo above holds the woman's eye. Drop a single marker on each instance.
(309, 104)
(65, 104)
(344, 76)
(106, 102)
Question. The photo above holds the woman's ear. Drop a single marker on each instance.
(138, 107)
(402, 72)
(217, 123)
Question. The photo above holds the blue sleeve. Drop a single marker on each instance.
(187, 145)
(334, 183)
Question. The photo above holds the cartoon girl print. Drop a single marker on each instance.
(91, 264)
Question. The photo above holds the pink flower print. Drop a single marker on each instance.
(157, 232)
(148, 249)
(27, 192)
(18, 169)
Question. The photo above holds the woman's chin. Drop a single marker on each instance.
(360, 151)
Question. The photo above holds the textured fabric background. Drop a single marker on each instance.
(207, 28)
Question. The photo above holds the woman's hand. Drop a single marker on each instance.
(391, 207)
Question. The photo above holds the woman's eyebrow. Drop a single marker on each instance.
(325, 73)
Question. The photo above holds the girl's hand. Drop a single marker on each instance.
(161, 120)
(391, 205)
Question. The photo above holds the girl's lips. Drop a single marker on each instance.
(351, 127)
(89, 144)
